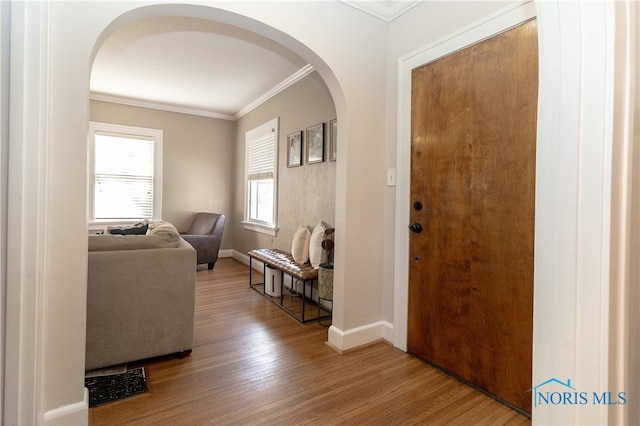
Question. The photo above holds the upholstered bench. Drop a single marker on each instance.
(283, 261)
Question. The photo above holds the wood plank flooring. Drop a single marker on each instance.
(254, 364)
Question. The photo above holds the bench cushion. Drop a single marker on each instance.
(284, 261)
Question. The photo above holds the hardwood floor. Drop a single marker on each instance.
(254, 364)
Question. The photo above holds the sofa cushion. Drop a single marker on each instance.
(316, 254)
(300, 245)
(109, 242)
(160, 235)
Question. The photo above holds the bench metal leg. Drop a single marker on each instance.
(304, 296)
(303, 317)
(264, 274)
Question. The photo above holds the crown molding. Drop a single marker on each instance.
(387, 10)
(285, 84)
(185, 109)
(142, 103)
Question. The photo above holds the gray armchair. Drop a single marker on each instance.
(205, 235)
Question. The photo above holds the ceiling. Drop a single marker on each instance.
(202, 67)
(387, 10)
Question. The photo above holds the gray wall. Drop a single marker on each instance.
(306, 194)
(198, 160)
(203, 166)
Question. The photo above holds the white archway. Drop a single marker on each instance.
(53, 56)
(319, 64)
(231, 18)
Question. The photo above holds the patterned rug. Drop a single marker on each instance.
(114, 386)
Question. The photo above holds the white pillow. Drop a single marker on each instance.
(316, 254)
(165, 230)
(300, 245)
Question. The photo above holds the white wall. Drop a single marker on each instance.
(4, 146)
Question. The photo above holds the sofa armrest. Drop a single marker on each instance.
(140, 304)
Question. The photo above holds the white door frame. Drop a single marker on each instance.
(498, 22)
(573, 192)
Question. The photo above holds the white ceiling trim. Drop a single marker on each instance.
(293, 79)
(387, 10)
(123, 100)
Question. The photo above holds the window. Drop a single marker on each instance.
(261, 159)
(125, 172)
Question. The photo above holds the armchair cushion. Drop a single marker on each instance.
(203, 224)
(205, 235)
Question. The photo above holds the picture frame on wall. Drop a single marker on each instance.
(294, 149)
(314, 144)
(333, 139)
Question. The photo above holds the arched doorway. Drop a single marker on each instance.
(126, 20)
(49, 262)
(190, 182)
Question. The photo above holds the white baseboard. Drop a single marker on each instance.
(225, 253)
(72, 414)
(243, 258)
(240, 257)
(360, 336)
(388, 333)
(341, 340)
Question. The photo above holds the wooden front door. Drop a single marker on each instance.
(472, 193)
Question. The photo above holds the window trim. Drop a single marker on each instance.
(269, 229)
(123, 130)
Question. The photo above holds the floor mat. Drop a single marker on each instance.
(114, 387)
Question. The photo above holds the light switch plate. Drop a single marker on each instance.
(391, 177)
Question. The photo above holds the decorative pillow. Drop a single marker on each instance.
(316, 254)
(165, 230)
(300, 245)
(140, 228)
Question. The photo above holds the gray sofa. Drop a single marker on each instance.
(140, 297)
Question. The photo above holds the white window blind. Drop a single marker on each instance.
(261, 175)
(125, 173)
(260, 162)
(123, 177)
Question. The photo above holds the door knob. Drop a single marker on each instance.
(415, 227)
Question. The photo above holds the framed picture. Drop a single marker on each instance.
(294, 149)
(315, 144)
(333, 140)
